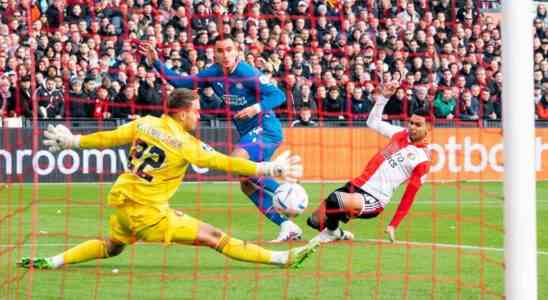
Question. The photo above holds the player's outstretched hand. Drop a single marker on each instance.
(391, 231)
(146, 49)
(60, 137)
(286, 166)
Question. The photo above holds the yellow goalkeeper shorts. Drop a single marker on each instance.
(133, 222)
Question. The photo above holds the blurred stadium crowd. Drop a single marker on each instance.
(79, 58)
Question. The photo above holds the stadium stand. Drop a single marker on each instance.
(78, 59)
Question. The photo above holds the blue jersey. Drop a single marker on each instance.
(243, 87)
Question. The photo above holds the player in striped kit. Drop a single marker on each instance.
(405, 158)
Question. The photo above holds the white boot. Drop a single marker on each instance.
(327, 236)
(289, 231)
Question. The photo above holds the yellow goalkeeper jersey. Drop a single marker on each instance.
(160, 154)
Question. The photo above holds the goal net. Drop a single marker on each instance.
(78, 63)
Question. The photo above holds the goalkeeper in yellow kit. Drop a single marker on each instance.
(162, 148)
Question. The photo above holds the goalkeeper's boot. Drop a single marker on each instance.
(327, 236)
(296, 256)
(44, 263)
(289, 231)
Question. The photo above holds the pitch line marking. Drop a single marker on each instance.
(442, 245)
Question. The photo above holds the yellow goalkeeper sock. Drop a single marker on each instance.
(85, 251)
(240, 250)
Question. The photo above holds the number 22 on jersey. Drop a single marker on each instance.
(144, 155)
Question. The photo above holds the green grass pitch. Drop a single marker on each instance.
(430, 266)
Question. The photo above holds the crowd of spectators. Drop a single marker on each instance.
(80, 59)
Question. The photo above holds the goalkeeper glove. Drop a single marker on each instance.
(286, 166)
(59, 138)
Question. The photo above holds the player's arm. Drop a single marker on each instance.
(204, 156)
(122, 135)
(270, 96)
(198, 80)
(60, 137)
(415, 182)
(178, 81)
(175, 79)
(375, 122)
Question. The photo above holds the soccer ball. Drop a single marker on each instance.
(290, 199)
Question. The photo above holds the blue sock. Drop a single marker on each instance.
(268, 183)
(263, 200)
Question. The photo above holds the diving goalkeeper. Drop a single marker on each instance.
(162, 148)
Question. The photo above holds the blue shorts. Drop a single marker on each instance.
(259, 146)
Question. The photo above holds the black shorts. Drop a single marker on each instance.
(371, 208)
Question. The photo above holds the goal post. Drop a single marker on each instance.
(520, 245)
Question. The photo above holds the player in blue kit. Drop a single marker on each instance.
(252, 97)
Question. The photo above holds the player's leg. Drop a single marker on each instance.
(341, 206)
(235, 248)
(86, 251)
(249, 252)
(288, 229)
(252, 187)
(337, 207)
(259, 190)
(181, 228)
